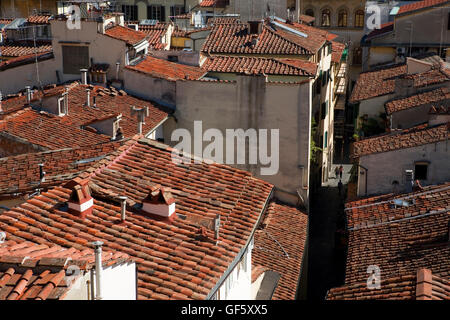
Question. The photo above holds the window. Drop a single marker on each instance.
(357, 55)
(156, 12)
(359, 19)
(172, 58)
(130, 13)
(342, 18)
(75, 58)
(326, 17)
(310, 12)
(323, 112)
(421, 170)
(176, 10)
(325, 140)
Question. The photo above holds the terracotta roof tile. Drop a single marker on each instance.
(213, 3)
(54, 132)
(279, 246)
(39, 19)
(59, 165)
(408, 138)
(420, 5)
(201, 191)
(164, 69)
(399, 239)
(39, 271)
(257, 65)
(434, 96)
(125, 34)
(13, 50)
(154, 34)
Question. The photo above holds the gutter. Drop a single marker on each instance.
(241, 253)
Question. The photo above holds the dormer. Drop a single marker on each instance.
(80, 202)
(57, 103)
(159, 202)
(108, 125)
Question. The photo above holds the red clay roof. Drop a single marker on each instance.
(173, 261)
(434, 96)
(128, 35)
(337, 49)
(154, 34)
(20, 173)
(39, 19)
(31, 58)
(400, 240)
(420, 5)
(30, 271)
(257, 65)
(279, 246)
(234, 38)
(54, 132)
(408, 138)
(20, 50)
(168, 70)
(213, 3)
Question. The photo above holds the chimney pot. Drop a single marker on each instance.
(84, 76)
(88, 97)
(28, 94)
(123, 207)
(159, 202)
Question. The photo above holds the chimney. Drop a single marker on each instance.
(141, 114)
(2, 236)
(84, 76)
(424, 284)
(88, 97)
(254, 27)
(117, 70)
(28, 94)
(41, 172)
(159, 202)
(1, 98)
(216, 227)
(98, 269)
(80, 202)
(123, 208)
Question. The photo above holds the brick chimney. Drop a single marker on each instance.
(80, 202)
(159, 202)
(424, 284)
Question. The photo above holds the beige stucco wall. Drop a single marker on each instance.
(252, 103)
(386, 167)
(102, 49)
(15, 79)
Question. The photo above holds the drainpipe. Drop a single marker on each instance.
(98, 269)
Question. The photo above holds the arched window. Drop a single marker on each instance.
(359, 18)
(310, 12)
(342, 18)
(326, 17)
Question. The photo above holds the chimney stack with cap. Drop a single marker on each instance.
(123, 208)
(84, 76)
(80, 202)
(88, 97)
(159, 202)
(28, 94)
(98, 269)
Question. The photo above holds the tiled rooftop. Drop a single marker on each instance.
(164, 69)
(257, 65)
(173, 261)
(420, 5)
(19, 174)
(39, 19)
(30, 271)
(128, 35)
(54, 132)
(279, 246)
(154, 34)
(380, 82)
(31, 58)
(408, 138)
(213, 4)
(437, 96)
(20, 50)
(399, 239)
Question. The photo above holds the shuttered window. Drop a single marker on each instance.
(156, 12)
(75, 58)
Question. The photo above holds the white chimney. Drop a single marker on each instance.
(123, 208)
(84, 76)
(28, 94)
(98, 269)
(88, 97)
(117, 70)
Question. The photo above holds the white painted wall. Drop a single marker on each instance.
(386, 167)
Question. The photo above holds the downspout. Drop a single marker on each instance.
(241, 253)
(98, 269)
